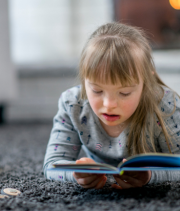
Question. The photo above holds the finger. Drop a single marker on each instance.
(93, 184)
(81, 161)
(116, 186)
(124, 160)
(133, 181)
(123, 184)
(134, 174)
(131, 173)
(101, 183)
(82, 175)
(85, 160)
(87, 180)
(140, 177)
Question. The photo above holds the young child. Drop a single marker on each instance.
(122, 108)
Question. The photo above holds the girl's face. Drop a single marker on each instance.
(113, 104)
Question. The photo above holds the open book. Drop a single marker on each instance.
(142, 162)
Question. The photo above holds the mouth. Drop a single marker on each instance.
(111, 117)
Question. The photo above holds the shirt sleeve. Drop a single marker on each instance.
(173, 123)
(64, 144)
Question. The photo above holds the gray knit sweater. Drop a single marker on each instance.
(75, 125)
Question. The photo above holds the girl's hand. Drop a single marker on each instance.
(132, 179)
(87, 180)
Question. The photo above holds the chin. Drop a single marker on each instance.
(111, 123)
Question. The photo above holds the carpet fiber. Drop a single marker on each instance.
(22, 149)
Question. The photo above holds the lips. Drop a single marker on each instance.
(111, 117)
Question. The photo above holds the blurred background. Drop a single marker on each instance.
(41, 42)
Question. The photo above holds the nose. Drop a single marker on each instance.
(110, 102)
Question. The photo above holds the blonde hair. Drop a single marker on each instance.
(119, 53)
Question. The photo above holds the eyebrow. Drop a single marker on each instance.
(117, 87)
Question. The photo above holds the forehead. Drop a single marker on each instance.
(111, 85)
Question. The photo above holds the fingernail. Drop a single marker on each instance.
(100, 184)
(103, 181)
(116, 186)
(121, 173)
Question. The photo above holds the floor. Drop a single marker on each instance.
(22, 150)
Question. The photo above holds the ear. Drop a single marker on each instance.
(153, 72)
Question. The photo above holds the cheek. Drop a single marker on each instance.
(94, 102)
(130, 106)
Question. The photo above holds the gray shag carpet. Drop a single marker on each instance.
(22, 149)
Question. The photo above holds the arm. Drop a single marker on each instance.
(64, 144)
(173, 122)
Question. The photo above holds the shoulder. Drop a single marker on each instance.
(169, 101)
(170, 107)
(72, 96)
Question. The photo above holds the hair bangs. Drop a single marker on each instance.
(110, 62)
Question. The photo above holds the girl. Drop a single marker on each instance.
(122, 108)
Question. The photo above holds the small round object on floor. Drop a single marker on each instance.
(10, 192)
(3, 196)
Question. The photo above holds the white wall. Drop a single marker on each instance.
(7, 74)
(53, 32)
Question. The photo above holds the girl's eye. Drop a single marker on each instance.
(97, 92)
(125, 94)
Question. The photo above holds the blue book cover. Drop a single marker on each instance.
(142, 162)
